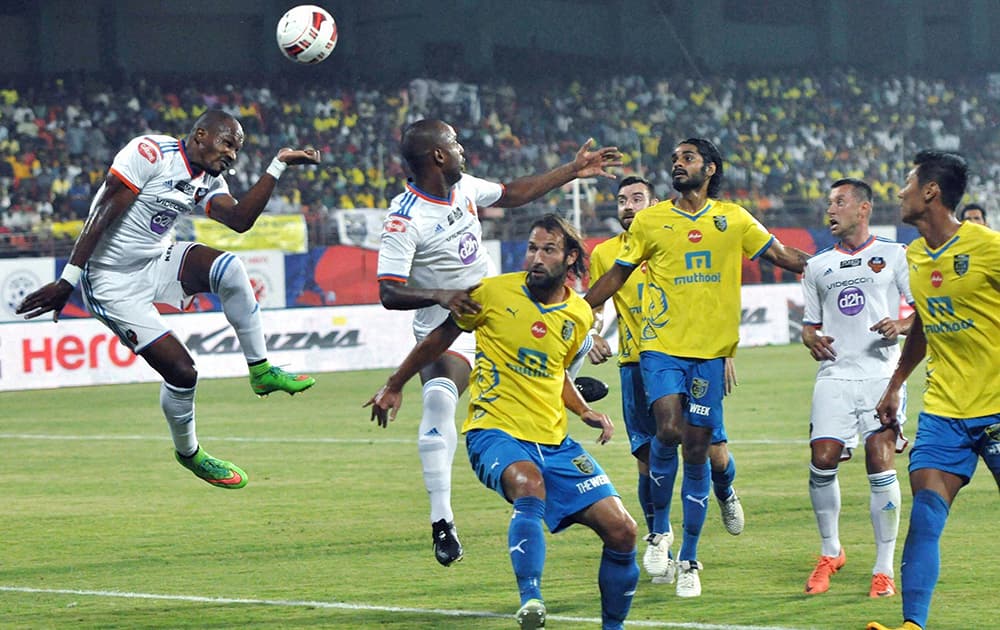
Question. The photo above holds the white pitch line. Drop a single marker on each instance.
(441, 612)
(279, 440)
(160, 438)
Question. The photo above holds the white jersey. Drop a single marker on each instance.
(846, 292)
(156, 168)
(434, 243)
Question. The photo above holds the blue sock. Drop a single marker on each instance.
(722, 482)
(662, 474)
(922, 555)
(526, 542)
(618, 578)
(646, 500)
(694, 494)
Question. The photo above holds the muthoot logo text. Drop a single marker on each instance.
(698, 277)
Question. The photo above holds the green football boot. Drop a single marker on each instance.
(219, 473)
(265, 378)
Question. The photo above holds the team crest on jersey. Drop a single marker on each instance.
(584, 464)
(148, 151)
(699, 387)
(395, 225)
(720, 223)
(961, 264)
(993, 432)
(876, 263)
(567, 330)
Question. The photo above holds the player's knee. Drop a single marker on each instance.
(228, 274)
(822, 477)
(668, 434)
(620, 532)
(434, 442)
(183, 376)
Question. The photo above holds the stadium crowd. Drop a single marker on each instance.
(784, 138)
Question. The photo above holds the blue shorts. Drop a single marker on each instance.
(639, 420)
(573, 479)
(955, 445)
(701, 381)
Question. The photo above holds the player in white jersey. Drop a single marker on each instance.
(851, 326)
(431, 256)
(126, 261)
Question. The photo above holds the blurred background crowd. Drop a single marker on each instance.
(784, 137)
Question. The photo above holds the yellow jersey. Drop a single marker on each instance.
(627, 300)
(691, 302)
(956, 291)
(523, 348)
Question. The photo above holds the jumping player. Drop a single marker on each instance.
(126, 261)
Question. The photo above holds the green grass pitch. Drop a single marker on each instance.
(100, 528)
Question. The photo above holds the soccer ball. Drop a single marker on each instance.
(307, 34)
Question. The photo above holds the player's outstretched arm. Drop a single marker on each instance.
(791, 258)
(607, 285)
(398, 296)
(586, 164)
(241, 215)
(387, 400)
(114, 200)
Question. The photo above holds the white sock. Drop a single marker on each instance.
(437, 442)
(824, 491)
(229, 280)
(178, 407)
(884, 506)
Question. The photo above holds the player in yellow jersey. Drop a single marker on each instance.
(692, 249)
(955, 279)
(529, 329)
(634, 195)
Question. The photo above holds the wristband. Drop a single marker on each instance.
(71, 274)
(276, 168)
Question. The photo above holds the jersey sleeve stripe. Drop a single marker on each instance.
(405, 204)
(391, 277)
(625, 264)
(763, 249)
(125, 180)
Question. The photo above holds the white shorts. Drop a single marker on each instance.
(841, 409)
(123, 298)
(463, 347)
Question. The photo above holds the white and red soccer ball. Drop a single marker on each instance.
(307, 34)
